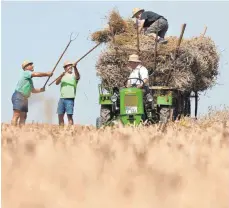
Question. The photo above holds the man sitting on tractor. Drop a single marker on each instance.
(137, 71)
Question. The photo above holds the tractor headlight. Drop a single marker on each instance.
(149, 98)
(114, 98)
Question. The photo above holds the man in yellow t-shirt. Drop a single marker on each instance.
(68, 86)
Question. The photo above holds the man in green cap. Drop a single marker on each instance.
(68, 82)
(23, 91)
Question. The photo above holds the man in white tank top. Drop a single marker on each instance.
(137, 71)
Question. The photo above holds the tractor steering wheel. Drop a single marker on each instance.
(134, 85)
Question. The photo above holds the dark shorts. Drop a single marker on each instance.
(20, 102)
(65, 105)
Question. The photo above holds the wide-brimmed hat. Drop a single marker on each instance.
(26, 63)
(136, 11)
(67, 63)
(134, 58)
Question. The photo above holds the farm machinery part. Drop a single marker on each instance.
(133, 106)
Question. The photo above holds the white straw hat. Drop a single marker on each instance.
(136, 10)
(67, 63)
(134, 58)
(26, 63)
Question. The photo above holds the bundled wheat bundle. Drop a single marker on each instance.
(195, 67)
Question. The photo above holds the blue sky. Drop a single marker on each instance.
(39, 31)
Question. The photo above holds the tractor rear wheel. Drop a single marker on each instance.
(164, 115)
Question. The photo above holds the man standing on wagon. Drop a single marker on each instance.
(152, 23)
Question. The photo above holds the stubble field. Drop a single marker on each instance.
(185, 166)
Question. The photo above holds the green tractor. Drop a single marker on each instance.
(133, 106)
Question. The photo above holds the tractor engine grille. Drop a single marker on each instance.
(131, 100)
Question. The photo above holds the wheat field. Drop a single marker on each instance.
(184, 166)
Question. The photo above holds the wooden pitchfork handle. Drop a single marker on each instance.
(177, 50)
(74, 64)
(138, 44)
(71, 39)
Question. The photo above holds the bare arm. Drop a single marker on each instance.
(59, 79)
(145, 82)
(128, 84)
(38, 90)
(76, 72)
(42, 74)
(140, 25)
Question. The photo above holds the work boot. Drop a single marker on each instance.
(162, 41)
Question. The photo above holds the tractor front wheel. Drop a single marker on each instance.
(105, 115)
(164, 115)
(98, 122)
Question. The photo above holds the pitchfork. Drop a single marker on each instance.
(72, 38)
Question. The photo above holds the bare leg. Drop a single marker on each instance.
(16, 116)
(61, 119)
(70, 119)
(23, 116)
(153, 35)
